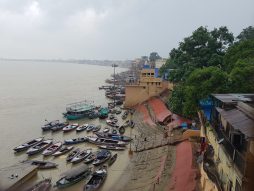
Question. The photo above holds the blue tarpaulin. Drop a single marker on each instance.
(206, 105)
(146, 67)
(156, 72)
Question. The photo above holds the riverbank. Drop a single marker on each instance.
(160, 158)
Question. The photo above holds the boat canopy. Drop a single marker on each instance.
(75, 171)
(80, 106)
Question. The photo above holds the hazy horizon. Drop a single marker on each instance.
(110, 30)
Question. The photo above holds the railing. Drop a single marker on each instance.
(235, 155)
(232, 152)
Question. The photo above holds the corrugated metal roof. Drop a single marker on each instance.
(239, 121)
(233, 98)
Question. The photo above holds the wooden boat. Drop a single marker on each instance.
(81, 156)
(41, 164)
(70, 127)
(39, 147)
(126, 123)
(97, 179)
(75, 140)
(96, 128)
(82, 127)
(59, 127)
(110, 122)
(115, 120)
(101, 157)
(103, 113)
(124, 116)
(109, 147)
(104, 141)
(112, 159)
(118, 112)
(52, 149)
(111, 117)
(90, 158)
(90, 128)
(44, 185)
(121, 130)
(62, 150)
(73, 154)
(93, 115)
(132, 124)
(106, 129)
(114, 136)
(114, 131)
(50, 125)
(28, 144)
(74, 176)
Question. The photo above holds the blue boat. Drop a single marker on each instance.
(79, 110)
(103, 113)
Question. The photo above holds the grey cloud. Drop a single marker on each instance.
(110, 29)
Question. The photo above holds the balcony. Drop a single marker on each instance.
(236, 157)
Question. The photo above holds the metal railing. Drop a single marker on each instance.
(232, 152)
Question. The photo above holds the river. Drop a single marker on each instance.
(31, 92)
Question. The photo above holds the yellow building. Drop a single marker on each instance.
(147, 86)
(229, 130)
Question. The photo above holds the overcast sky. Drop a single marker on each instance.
(110, 29)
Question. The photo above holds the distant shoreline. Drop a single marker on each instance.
(120, 63)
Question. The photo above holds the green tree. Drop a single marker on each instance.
(241, 77)
(200, 84)
(239, 51)
(246, 34)
(203, 48)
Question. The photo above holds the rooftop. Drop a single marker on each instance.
(234, 98)
(239, 121)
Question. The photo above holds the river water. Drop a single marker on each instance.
(31, 92)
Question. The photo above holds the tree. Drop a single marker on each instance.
(154, 56)
(210, 62)
(240, 50)
(203, 48)
(241, 77)
(246, 34)
(200, 84)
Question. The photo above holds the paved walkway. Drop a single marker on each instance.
(184, 175)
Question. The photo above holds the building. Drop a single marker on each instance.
(227, 124)
(148, 85)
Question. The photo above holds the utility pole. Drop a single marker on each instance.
(114, 66)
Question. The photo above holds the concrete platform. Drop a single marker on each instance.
(14, 176)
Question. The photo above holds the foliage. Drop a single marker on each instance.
(210, 62)
(242, 77)
(246, 34)
(154, 56)
(240, 50)
(202, 49)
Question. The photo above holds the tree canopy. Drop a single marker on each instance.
(210, 62)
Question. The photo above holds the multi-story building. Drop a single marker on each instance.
(227, 123)
(148, 85)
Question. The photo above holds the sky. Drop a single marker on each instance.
(110, 29)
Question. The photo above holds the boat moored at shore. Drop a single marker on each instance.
(73, 176)
(39, 147)
(79, 110)
(28, 144)
(70, 127)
